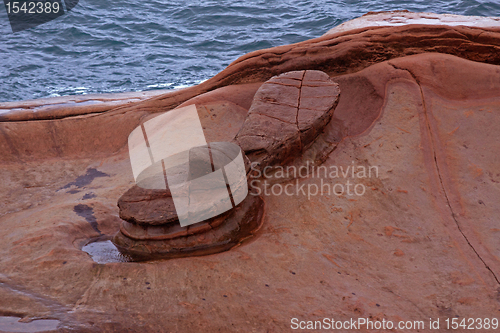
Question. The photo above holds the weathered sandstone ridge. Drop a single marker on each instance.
(420, 102)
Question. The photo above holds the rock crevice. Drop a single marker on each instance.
(439, 172)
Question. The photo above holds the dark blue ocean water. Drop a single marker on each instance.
(125, 45)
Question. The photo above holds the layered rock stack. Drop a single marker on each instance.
(150, 227)
(420, 102)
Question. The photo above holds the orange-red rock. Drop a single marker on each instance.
(418, 102)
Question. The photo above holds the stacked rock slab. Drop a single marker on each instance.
(421, 243)
(287, 114)
(151, 228)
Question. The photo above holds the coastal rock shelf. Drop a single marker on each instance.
(150, 228)
(419, 103)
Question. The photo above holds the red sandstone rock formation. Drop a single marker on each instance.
(288, 113)
(420, 103)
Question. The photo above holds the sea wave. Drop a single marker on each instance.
(123, 45)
